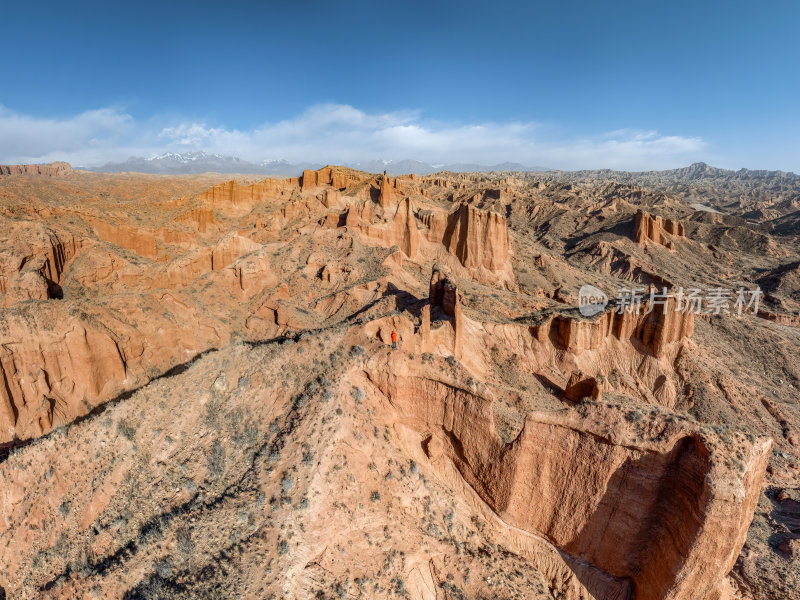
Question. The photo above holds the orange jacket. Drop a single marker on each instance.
(394, 336)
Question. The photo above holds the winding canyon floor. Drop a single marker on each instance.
(199, 396)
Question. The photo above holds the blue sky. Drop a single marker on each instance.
(631, 85)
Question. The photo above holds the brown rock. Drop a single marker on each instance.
(435, 222)
(478, 238)
(135, 239)
(648, 227)
(580, 387)
(385, 197)
(443, 292)
(231, 195)
(26, 285)
(229, 249)
(790, 548)
(202, 217)
(253, 272)
(659, 506)
(55, 169)
(655, 333)
(425, 326)
(406, 228)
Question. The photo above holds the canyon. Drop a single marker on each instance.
(200, 397)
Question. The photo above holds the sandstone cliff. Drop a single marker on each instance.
(568, 472)
(652, 333)
(385, 197)
(478, 238)
(55, 169)
(647, 227)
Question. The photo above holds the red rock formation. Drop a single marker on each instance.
(185, 269)
(336, 177)
(33, 260)
(52, 371)
(25, 285)
(401, 230)
(201, 216)
(406, 228)
(621, 502)
(385, 198)
(580, 387)
(230, 248)
(57, 363)
(444, 293)
(436, 223)
(661, 508)
(233, 195)
(55, 169)
(135, 239)
(653, 333)
(478, 238)
(310, 179)
(332, 199)
(253, 272)
(425, 325)
(649, 227)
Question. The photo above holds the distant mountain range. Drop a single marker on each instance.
(192, 163)
(698, 171)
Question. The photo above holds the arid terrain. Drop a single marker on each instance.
(199, 396)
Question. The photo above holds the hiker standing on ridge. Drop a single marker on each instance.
(394, 339)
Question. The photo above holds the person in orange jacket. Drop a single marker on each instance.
(394, 339)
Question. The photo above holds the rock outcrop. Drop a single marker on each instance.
(661, 508)
(202, 217)
(240, 198)
(136, 239)
(579, 387)
(58, 362)
(652, 333)
(54, 372)
(230, 248)
(444, 293)
(477, 237)
(32, 262)
(335, 177)
(405, 225)
(653, 228)
(55, 169)
(386, 195)
(435, 222)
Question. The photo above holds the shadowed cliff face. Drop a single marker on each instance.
(198, 391)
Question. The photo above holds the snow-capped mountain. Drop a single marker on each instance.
(192, 162)
(192, 156)
(195, 162)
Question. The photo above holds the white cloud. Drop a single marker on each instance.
(27, 138)
(628, 149)
(334, 133)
